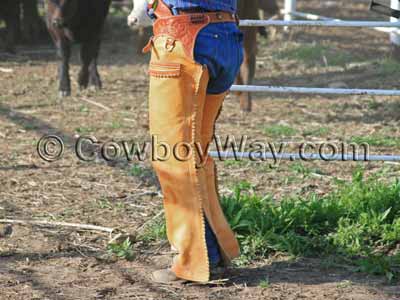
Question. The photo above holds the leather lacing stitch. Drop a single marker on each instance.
(194, 127)
(216, 185)
(163, 75)
(164, 70)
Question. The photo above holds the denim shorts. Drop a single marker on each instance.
(219, 46)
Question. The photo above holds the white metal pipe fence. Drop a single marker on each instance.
(304, 157)
(317, 21)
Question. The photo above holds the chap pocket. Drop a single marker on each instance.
(165, 70)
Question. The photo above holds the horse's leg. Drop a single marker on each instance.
(86, 57)
(94, 76)
(64, 52)
(247, 71)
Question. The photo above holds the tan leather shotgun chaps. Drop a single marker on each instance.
(182, 118)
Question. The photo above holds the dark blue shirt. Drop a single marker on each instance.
(224, 5)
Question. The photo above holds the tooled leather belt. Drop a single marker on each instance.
(185, 26)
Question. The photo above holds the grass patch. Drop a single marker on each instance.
(320, 131)
(103, 203)
(84, 109)
(264, 284)
(376, 140)
(139, 171)
(317, 55)
(301, 169)
(359, 223)
(388, 67)
(84, 130)
(235, 163)
(116, 125)
(373, 104)
(280, 131)
(156, 231)
(290, 180)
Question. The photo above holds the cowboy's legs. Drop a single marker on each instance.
(219, 46)
(179, 87)
(176, 99)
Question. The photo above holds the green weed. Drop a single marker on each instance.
(320, 131)
(116, 125)
(289, 180)
(138, 171)
(122, 250)
(104, 203)
(300, 168)
(84, 130)
(235, 163)
(388, 67)
(156, 231)
(31, 126)
(376, 140)
(373, 104)
(84, 109)
(264, 284)
(280, 131)
(316, 54)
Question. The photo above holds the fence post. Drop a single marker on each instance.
(290, 6)
(394, 35)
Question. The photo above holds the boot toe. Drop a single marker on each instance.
(164, 276)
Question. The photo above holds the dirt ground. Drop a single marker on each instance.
(61, 264)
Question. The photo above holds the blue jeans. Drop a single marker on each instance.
(219, 46)
(214, 255)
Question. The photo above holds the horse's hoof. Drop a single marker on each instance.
(95, 87)
(83, 82)
(63, 94)
(95, 83)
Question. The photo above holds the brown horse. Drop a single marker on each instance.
(249, 9)
(78, 21)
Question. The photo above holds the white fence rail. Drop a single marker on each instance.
(304, 157)
(305, 90)
(319, 23)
